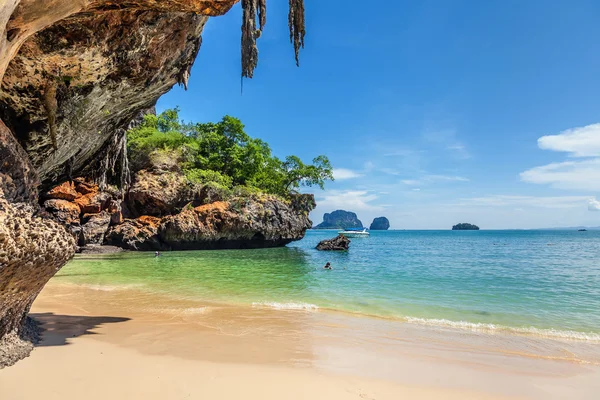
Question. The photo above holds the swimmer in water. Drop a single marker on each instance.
(156, 254)
(327, 266)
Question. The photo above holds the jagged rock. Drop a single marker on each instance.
(340, 242)
(116, 215)
(84, 186)
(380, 224)
(94, 228)
(241, 223)
(64, 191)
(32, 249)
(340, 219)
(159, 193)
(136, 234)
(18, 179)
(63, 211)
(93, 203)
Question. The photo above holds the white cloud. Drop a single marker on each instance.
(526, 201)
(353, 200)
(582, 175)
(594, 205)
(343, 173)
(579, 142)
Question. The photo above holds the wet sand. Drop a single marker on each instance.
(124, 344)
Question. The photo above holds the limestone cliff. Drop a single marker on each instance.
(73, 75)
(340, 219)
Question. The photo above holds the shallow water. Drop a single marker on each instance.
(539, 283)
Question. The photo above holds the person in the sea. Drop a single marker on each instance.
(156, 253)
(327, 266)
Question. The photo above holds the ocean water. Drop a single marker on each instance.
(542, 283)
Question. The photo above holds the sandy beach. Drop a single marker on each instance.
(120, 343)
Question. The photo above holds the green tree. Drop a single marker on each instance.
(223, 153)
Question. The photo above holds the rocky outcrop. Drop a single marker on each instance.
(255, 222)
(94, 228)
(159, 193)
(340, 242)
(63, 211)
(339, 219)
(380, 224)
(267, 221)
(136, 234)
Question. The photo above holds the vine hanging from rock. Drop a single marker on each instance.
(250, 33)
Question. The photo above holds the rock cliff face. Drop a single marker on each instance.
(380, 224)
(340, 219)
(173, 214)
(73, 74)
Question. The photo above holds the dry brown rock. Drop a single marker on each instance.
(63, 211)
(136, 234)
(93, 203)
(159, 193)
(64, 191)
(94, 228)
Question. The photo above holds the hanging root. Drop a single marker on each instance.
(252, 9)
(250, 33)
(297, 27)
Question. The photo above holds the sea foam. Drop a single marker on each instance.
(493, 328)
(286, 306)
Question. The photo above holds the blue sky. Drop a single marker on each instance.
(431, 112)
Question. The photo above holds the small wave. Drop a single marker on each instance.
(286, 306)
(111, 288)
(492, 328)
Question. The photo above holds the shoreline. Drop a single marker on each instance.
(392, 358)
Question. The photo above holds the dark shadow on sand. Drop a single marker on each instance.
(56, 329)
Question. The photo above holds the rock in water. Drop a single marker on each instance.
(340, 242)
(339, 219)
(380, 224)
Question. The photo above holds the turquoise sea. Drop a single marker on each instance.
(542, 283)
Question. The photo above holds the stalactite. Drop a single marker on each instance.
(297, 26)
(252, 9)
(125, 180)
(250, 34)
(50, 105)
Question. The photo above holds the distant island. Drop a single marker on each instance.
(380, 224)
(339, 219)
(465, 227)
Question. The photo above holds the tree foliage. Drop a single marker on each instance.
(222, 153)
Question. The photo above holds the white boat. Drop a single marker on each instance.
(355, 233)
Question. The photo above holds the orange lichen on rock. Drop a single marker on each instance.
(149, 220)
(64, 191)
(221, 206)
(85, 187)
